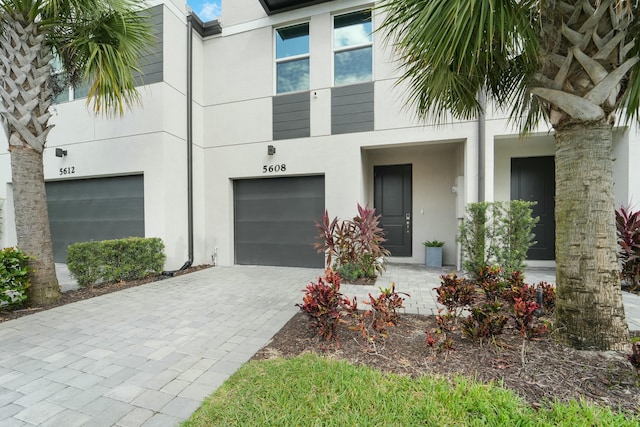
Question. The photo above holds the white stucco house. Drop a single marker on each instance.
(252, 125)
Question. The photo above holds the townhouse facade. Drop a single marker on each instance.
(251, 126)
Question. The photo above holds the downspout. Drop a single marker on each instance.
(189, 262)
(481, 145)
(189, 140)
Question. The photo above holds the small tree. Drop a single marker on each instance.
(496, 233)
(515, 223)
(475, 238)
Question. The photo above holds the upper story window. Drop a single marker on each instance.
(64, 92)
(353, 48)
(292, 58)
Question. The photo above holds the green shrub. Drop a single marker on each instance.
(477, 244)
(13, 277)
(352, 272)
(115, 260)
(85, 262)
(496, 234)
(132, 258)
(1, 203)
(515, 226)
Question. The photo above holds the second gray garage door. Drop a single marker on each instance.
(274, 221)
(94, 209)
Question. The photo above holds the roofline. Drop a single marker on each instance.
(205, 29)
(298, 5)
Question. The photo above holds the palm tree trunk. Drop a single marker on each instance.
(24, 75)
(589, 310)
(32, 223)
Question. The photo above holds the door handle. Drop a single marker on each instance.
(407, 218)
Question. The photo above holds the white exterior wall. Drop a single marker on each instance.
(237, 114)
(233, 85)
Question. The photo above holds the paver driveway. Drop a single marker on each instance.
(143, 356)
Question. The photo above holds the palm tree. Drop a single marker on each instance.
(98, 41)
(571, 62)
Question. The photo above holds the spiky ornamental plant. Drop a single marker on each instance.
(571, 62)
(98, 41)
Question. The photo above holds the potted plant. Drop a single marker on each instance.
(433, 253)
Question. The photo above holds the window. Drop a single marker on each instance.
(63, 92)
(81, 90)
(292, 58)
(352, 48)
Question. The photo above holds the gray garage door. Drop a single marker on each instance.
(94, 209)
(274, 221)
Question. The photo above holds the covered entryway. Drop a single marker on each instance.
(94, 209)
(533, 179)
(392, 199)
(274, 221)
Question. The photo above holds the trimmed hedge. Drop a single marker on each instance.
(13, 277)
(115, 260)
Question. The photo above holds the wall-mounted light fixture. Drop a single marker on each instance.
(60, 152)
(271, 150)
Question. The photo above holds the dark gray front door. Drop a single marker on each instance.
(94, 209)
(392, 200)
(274, 221)
(533, 179)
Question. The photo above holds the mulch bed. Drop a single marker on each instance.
(545, 372)
(86, 293)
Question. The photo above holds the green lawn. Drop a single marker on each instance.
(313, 391)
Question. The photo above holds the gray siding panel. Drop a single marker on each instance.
(337, 129)
(151, 64)
(354, 117)
(352, 108)
(294, 116)
(290, 134)
(340, 99)
(291, 125)
(343, 110)
(291, 116)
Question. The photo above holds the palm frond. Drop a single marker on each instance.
(631, 97)
(449, 50)
(101, 43)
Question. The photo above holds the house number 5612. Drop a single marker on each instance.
(274, 168)
(68, 171)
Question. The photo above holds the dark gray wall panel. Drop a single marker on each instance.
(151, 64)
(291, 116)
(274, 221)
(352, 108)
(94, 209)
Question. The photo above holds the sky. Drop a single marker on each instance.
(206, 9)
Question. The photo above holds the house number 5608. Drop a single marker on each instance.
(274, 168)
